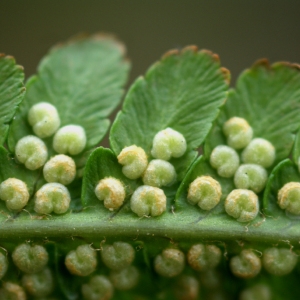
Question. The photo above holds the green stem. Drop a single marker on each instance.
(183, 227)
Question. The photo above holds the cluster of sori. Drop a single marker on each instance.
(38, 281)
(289, 197)
(118, 257)
(58, 171)
(148, 199)
(249, 178)
(204, 258)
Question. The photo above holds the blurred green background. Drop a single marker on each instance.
(239, 31)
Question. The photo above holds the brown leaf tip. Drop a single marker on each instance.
(194, 49)
(226, 74)
(172, 52)
(12, 59)
(263, 62)
(214, 56)
(191, 48)
(8, 57)
(295, 66)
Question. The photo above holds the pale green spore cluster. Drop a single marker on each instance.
(204, 257)
(39, 284)
(279, 261)
(168, 143)
(159, 173)
(61, 169)
(52, 197)
(30, 259)
(111, 191)
(225, 160)
(98, 288)
(204, 191)
(15, 193)
(82, 261)
(134, 161)
(260, 152)
(169, 263)
(44, 119)
(252, 177)
(117, 256)
(289, 198)
(245, 265)
(242, 205)
(148, 201)
(238, 132)
(69, 139)
(32, 152)
(126, 278)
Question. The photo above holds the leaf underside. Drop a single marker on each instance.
(102, 164)
(183, 91)
(10, 169)
(268, 97)
(283, 173)
(12, 91)
(83, 79)
(202, 168)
